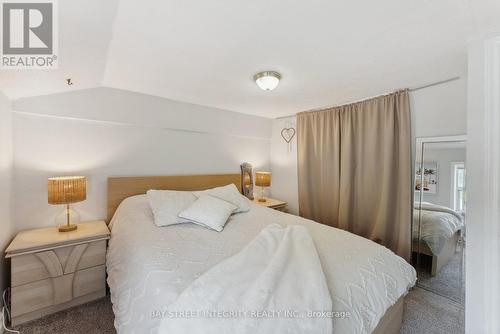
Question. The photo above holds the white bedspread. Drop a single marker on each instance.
(256, 290)
(149, 266)
(438, 224)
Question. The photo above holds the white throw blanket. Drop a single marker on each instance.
(271, 286)
(438, 224)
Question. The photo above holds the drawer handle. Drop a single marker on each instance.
(51, 262)
(74, 258)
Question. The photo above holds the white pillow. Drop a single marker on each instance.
(166, 205)
(229, 194)
(209, 211)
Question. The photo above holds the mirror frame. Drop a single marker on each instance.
(419, 150)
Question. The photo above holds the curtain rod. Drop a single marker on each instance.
(410, 90)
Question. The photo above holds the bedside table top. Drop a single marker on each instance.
(270, 202)
(34, 240)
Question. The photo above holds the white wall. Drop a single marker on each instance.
(107, 132)
(483, 191)
(436, 111)
(6, 228)
(444, 158)
(284, 165)
(440, 110)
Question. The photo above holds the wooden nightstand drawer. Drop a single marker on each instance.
(89, 280)
(53, 291)
(57, 262)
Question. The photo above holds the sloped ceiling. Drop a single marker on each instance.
(206, 52)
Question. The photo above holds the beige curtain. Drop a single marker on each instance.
(354, 169)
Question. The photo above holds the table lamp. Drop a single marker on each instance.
(262, 179)
(67, 190)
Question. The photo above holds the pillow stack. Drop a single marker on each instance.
(209, 208)
(229, 194)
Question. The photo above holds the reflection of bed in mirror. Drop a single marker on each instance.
(440, 233)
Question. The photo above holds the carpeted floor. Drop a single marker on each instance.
(448, 282)
(91, 318)
(425, 312)
(429, 313)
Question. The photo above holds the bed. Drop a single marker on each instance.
(148, 267)
(440, 231)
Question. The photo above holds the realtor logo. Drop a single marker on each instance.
(29, 39)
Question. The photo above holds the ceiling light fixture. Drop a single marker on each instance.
(267, 80)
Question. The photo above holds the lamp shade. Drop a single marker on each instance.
(67, 189)
(263, 179)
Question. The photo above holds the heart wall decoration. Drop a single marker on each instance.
(287, 134)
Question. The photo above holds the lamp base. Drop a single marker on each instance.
(262, 199)
(68, 228)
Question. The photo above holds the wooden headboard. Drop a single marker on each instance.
(120, 188)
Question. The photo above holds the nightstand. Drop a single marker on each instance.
(52, 270)
(272, 203)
